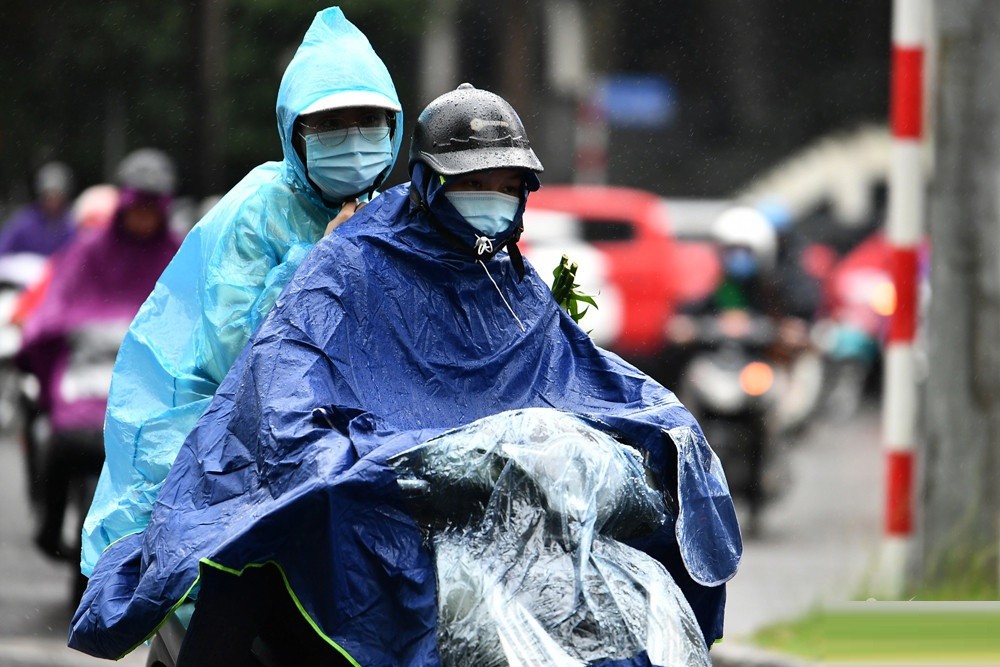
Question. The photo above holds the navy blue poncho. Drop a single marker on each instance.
(386, 336)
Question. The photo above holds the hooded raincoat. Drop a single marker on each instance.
(389, 334)
(217, 290)
(100, 278)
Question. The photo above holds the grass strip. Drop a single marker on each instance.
(925, 635)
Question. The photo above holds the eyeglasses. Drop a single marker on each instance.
(333, 130)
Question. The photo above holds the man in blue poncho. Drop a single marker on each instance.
(340, 125)
(417, 316)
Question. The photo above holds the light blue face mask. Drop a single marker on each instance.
(349, 168)
(492, 213)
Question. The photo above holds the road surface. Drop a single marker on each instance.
(820, 541)
(34, 592)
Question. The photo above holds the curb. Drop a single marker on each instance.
(736, 654)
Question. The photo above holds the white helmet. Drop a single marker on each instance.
(54, 177)
(746, 227)
(148, 170)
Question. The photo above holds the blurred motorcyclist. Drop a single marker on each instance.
(750, 284)
(100, 278)
(44, 226)
(340, 124)
(799, 267)
(93, 208)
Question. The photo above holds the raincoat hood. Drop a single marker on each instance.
(129, 197)
(427, 193)
(334, 62)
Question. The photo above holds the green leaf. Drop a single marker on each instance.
(565, 290)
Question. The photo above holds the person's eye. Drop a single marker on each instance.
(512, 190)
(330, 125)
(373, 120)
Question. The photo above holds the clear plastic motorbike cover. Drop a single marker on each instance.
(525, 511)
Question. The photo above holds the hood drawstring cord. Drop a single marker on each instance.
(497, 287)
(484, 245)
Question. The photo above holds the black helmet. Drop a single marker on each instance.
(469, 130)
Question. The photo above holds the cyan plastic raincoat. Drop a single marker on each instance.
(217, 290)
(388, 335)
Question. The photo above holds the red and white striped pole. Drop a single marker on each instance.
(904, 231)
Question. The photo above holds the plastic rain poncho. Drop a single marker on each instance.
(214, 294)
(527, 511)
(388, 336)
(98, 281)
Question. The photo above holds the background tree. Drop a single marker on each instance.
(87, 81)
(960, 494)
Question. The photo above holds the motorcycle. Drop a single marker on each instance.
(861, 299)
(63, 440)
(526, 514)
(18, 272)
(734, 386)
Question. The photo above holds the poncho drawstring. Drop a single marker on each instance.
(504, 299)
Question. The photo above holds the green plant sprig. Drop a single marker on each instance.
(566, 292)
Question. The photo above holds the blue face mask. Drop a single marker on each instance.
(349, 168)
(740, 263)
(492, 213)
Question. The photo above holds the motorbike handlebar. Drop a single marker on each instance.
(544, 456)
(736, 326)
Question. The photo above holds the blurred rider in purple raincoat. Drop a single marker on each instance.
(96, 285)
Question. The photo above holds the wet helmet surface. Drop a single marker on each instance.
(468, 130)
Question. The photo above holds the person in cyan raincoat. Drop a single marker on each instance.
(340, 124)
(416, 316)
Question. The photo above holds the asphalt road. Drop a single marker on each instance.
(818, 544)
(34, 592)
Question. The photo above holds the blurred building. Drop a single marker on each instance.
(692, 98)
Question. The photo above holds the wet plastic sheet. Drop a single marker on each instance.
(525, 511)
